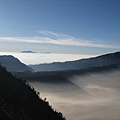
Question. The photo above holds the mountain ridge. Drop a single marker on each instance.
(99, 61)
(13, 64)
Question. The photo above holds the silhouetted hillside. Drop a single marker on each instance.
(19, 101)
(104, 60)
(13, 64)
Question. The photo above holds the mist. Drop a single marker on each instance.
(38, 58)
(94, 96)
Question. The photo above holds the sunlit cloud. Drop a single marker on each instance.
(58, 39)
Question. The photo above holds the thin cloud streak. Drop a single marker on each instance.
(56, 38)
(58, 35)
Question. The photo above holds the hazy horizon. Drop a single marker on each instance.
(38, 58)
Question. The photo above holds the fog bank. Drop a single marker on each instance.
(95, 96)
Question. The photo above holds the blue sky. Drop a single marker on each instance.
(60, 26)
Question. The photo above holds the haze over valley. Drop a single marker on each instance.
(93, 96)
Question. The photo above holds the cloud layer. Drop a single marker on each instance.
(58, 39)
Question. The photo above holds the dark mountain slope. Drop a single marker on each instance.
(13, 64)
(104, 60)
(21, 102)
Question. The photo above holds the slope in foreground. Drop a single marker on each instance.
(19, 102)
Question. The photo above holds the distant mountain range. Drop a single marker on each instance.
(100, 61)
(13, 64)
(28, 51)
(20, 101)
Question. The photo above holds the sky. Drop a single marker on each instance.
(88, 27)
